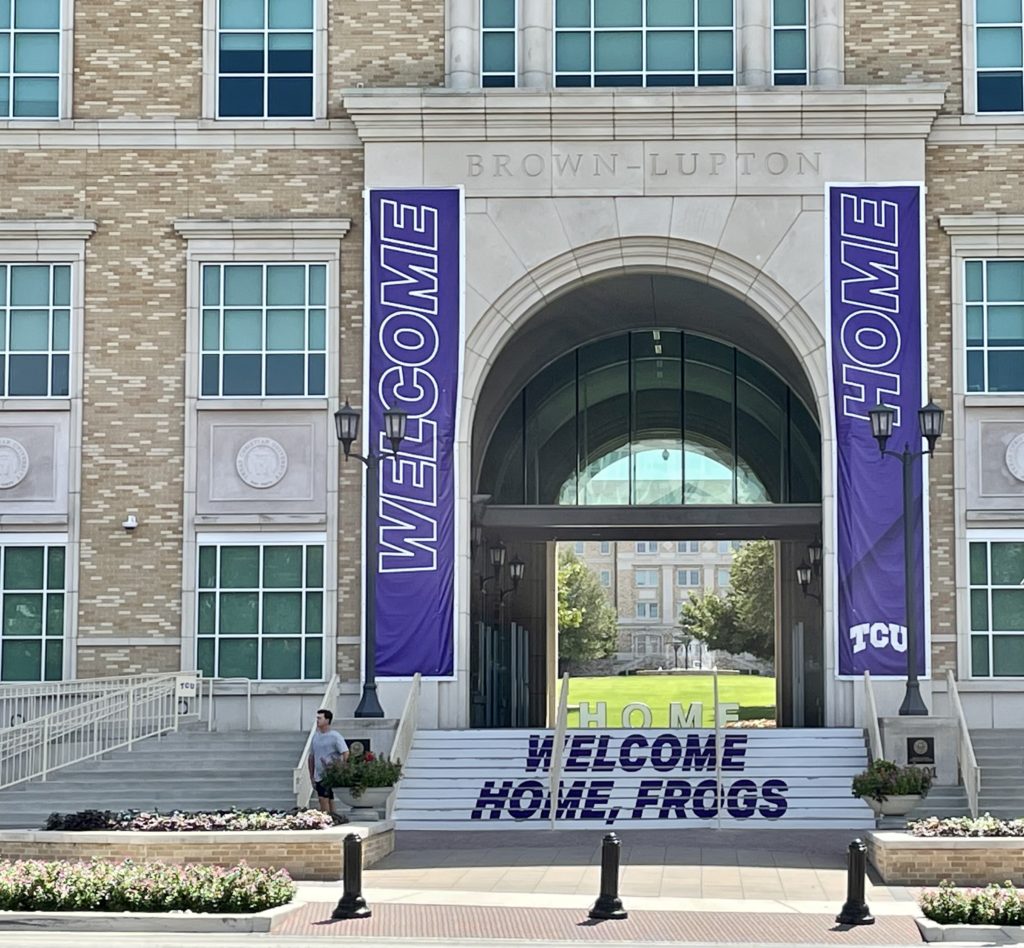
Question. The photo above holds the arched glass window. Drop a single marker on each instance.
(654, 417)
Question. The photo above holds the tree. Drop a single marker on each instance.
(743, 620)
(587, 624)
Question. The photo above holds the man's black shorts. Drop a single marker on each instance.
(325, 793)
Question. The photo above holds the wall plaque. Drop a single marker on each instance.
(261, 462)
(13, 463)
(920, 750)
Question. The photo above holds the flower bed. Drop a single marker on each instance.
(992, 905)
(966, 826)
(221, 821)
(101, 886)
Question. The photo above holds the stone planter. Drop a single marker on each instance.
(894, 806)
(369, 805)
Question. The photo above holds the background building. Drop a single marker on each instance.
(182, 310)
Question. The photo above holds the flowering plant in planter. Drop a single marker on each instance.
(884, 779)
(359, 773)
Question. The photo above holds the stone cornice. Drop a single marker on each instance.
(985, 223)
(848, 112)
(288, 229)
(171, 134)
(55, 228)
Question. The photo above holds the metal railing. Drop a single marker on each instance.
(302, 786)
(970, 772)
(405, 732)
(22, 702)
(211, 692)
(557, 746)
(90, 729)
(871, 720)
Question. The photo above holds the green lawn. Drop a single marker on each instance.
(754, 694)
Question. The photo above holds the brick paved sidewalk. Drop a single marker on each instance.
(547, 925)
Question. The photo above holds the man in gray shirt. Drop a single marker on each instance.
(326, 747)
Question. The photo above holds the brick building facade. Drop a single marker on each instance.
(181, 246)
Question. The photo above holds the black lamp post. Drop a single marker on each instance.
(930, 419)
(346, 421)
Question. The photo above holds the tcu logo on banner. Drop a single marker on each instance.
(876, 344)
(413, 353)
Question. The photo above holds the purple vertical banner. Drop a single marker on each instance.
(876, 344)
(413, 363)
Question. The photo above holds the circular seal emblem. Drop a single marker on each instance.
(261, 462)
(13, 463)
(1015, 457)
(920, 746)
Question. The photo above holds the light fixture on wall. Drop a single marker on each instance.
(804, 574)
(346, 422)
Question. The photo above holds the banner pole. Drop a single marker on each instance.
(718, 746)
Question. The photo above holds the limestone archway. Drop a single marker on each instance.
(519, 318)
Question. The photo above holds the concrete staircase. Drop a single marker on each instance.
(188, 770)
(941, 802)
(788, 778)
(1000, 756)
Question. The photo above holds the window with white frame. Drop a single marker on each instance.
(35, 330)
(789, 42)
(646, 577)
(578, 547)
(647, 610)
(644, 43)
(999, 66)
(260, 611)
(728, 546)
(265, 58)
(606, 577)
(688, 577)
(647, 546)
(688, 546)
(723, 577)
(997, 608)
(994, 310)
(32, 590)
(606, 547)
(498, 41)
(30, 58)
(264, 329)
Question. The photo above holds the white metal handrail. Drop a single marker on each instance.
(90, 729)
(557, 746)
(871, 720)
(406, 731)
(302, 786)
(21, 702)
(970, 772)
(211, 716)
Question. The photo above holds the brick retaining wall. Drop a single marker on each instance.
(308, 855)
(902, 859)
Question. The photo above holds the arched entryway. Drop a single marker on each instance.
(640, 406)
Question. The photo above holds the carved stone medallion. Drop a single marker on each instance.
(261, 462)
(1015, 457)
(13, 463)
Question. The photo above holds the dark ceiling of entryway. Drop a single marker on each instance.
(611, 306)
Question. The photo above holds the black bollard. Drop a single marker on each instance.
(608, 904)
(352, 904)
(856, 911)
